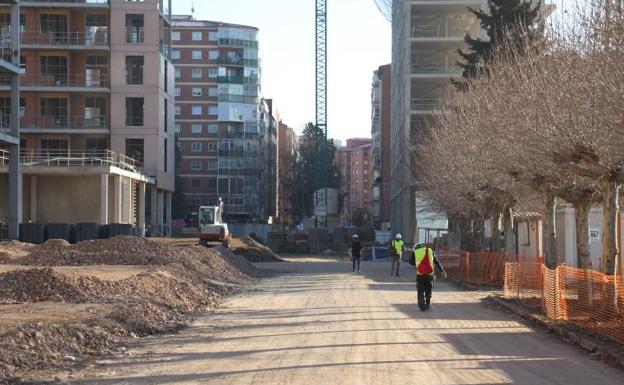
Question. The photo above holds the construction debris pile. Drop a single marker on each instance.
(254, 251)
(174, 285)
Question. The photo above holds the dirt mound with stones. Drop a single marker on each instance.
(179, 283)
(254, 251)
(10, 250)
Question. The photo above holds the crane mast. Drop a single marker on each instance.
(321, 169)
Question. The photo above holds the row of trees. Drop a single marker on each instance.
(541, 122)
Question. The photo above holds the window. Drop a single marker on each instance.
(213, 72)
(213, 128)
(197, 91)
(134, 111)
(196, 110)
(54, 111)
(196, 183)
(213, 110)
(177, 73)
(213, 36)
(96, 145)
(197, 36)
(95, 111)
(54, 67)
(196, 73)
(53, 25)
(175, 54)
(212, 147)
(196, 165)
(175, 36)
(213, 91)
(196, 147)
(196, 128)
(134, 28)
(134, 69)
(213, 55)
(178, 127)
(178, 92)
(196, 55)
(135, 149)
(55, 146)
(178, 109)
(213, 165)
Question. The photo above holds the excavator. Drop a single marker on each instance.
(212, 229)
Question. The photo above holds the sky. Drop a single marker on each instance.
(359, 41)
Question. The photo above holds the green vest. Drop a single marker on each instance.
(419, 256)
(398, 246)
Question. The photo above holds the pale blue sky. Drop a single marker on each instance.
(359, 41)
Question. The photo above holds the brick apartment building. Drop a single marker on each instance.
(355, 162)
(381, 99)
(287, 154)
(97, 128)
(221, 132)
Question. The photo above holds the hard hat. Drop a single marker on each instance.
(398, 236)
(355, 236)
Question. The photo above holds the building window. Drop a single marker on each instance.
(213, 72)
(196, 165)
(135, 149)
(178, 127)
(196, 183)
(197, 36)
(96, 145)
(175, 36)
(177, 73)
(55, 146)
(178, 109)
(213, 165)
(134, 29)
(178, 92)
(196, 73)
(213, 36)
(196, 110)
(175, 54)
(134, 111)
(196, 147)
(196, 91)
(134, 69)
(196, 55)
(213, 110)
(212, 147)
(213, 128)
(213, 91)
(196, 128)
(213, 55)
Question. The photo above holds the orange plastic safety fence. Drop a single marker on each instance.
(484, 268)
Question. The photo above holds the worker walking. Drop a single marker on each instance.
(425, 260)
(356, 252)
(396, 253)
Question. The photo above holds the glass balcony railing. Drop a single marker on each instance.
(228, 98)
(227, 42)
(89, 80)
(237, 62)
(445, 28)
(238, 80)
(64, 122)
(98, 38)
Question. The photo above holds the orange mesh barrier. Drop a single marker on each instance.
(587, 298)
(486, 268)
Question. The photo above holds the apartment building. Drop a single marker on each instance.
(381, 101)
(288, 144)
(269, 190)
(217, 116)
(355, 163)
(96, 112)
(426, 37)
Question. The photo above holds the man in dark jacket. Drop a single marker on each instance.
(356, 252)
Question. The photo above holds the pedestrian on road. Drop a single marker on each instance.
(356, 252)
(396, 253)
(425, 260)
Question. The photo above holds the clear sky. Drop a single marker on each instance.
(359, 40)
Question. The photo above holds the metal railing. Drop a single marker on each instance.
(135, 35)
(90, 2)
(68, 158)
(65, 122)
(425, 104)
(427, 69)
(95, 39)
(4, 157)
(441, 29)
(88, 80)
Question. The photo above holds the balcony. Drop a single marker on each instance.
(239, 62)
(65, 124)
(66, 3)
(425, 105)
(238, 80)
(441, 28)
(66, 40)
(227, 42)
(68, 158)
(230, 98)
(95, 82)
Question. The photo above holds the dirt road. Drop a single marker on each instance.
(319, 324)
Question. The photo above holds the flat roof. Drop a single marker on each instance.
(189, 21)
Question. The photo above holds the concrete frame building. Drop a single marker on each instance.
(355, 163)
(381, 100)
(426, 36)
(217, 116)
(97, 141)
(288, 144)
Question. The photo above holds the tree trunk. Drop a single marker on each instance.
(477, 234)
(509, 234)
(610, 208)
(495, 232)
(549, 233)
(581, 211)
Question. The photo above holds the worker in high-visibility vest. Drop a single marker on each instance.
(396, 248)
(425, 260)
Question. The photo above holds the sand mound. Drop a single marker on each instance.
(254, 251)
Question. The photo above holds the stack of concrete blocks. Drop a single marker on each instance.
(275, 241)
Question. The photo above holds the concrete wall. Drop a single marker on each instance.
(68, 199)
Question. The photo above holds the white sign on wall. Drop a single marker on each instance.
(594, 235)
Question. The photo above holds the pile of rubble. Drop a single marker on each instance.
(254, 251)
(178, 284)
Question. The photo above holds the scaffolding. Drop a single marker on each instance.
(10, 138)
